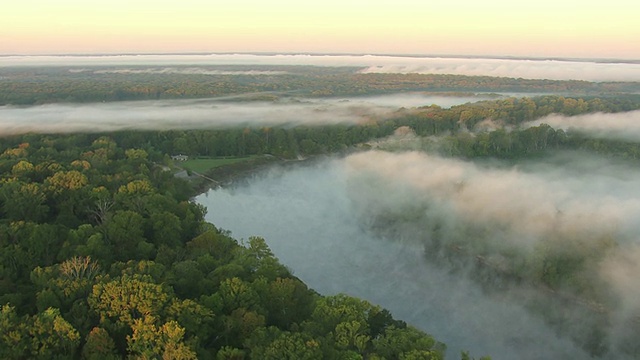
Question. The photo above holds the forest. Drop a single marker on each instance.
(105, 254)
(28, 86)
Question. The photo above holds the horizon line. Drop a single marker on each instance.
(290, 53)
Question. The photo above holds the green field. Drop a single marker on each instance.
(203, 165)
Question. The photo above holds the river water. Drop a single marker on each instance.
(306, 216)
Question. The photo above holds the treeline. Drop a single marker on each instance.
(278, 141)
(470, 130)
(534, 141)
(456, 122)
(435, 82)
(102, 256)
(28, 86)
(433, 120)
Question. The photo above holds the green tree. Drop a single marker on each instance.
(333, 310)
(66, 180)
(136, 154)
(292, 346)
(187, 278)
(272, 343)
(239, 325)
(287, 301)
(260, 261)
(51, 336)
(230, 353)
(23, 201)
(14, 343)
(235, 293)
(124, 231)
(128, 298)
(149, 341)
(99, 345)
(166, 229)
(409, 343)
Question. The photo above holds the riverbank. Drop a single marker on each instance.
(233, 174)
(224, 175)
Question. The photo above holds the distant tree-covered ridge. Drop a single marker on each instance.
(25, 85)
(103, 256)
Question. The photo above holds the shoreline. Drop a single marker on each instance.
(232, 174)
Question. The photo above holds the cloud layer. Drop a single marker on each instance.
(178, 70)
(516, 68)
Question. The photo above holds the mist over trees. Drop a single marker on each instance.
(105, 255)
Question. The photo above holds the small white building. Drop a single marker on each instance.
(179, 157)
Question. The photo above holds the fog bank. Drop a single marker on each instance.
(621, 126)
(183, 71)
(589, 70)
(209, 113)
(571, 211)
(525, 69)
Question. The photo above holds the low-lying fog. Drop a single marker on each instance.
(314, 217)
(554, 69)
(210, 113)
(620, 126)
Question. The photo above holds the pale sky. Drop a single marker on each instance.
(568, 28)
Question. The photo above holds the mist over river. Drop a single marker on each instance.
(308, 219)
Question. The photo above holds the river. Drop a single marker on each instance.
(306, 217)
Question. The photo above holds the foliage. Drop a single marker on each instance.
(103, 257)
(95, 84)
(203, 165)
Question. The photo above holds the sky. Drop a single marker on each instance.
(543, 28)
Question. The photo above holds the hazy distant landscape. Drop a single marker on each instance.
(488, 202)
(291, 180)
(524, 68)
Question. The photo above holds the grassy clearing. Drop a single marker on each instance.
(203, 165)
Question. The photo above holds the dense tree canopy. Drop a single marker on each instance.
(23, 86)
(103, 255)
